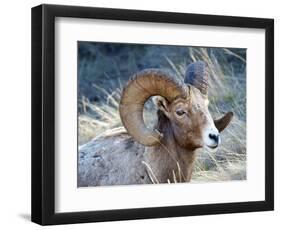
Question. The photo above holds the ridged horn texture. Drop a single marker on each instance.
(140, 88)
(197, 75)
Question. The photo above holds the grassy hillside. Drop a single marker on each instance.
(103, 69)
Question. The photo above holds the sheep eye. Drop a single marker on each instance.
(180, 112)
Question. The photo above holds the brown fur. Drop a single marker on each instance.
(115, 158)
(174, 157)
(169, 160)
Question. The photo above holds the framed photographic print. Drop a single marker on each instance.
(141, 114)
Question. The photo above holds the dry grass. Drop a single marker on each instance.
(227, 93)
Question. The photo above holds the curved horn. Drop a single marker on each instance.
(140, 88)
(197, 75)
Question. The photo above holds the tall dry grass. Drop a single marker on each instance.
(227, 92)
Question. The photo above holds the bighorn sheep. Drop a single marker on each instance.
(139, 155)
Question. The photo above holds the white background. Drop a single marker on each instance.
(15, 114)
(71, 199)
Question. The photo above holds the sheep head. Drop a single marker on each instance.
(184, 103)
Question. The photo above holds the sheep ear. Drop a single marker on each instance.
(161, 103)
(223, 122)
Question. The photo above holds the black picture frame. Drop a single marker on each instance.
(43, 114)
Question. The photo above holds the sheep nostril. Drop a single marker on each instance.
(214, 137)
